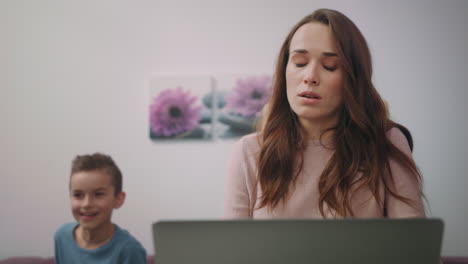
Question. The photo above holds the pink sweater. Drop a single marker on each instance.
(242, 193)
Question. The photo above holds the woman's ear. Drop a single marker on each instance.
(119, 200)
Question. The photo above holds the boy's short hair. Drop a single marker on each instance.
(98, 161)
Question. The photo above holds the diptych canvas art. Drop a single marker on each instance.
(206, 107)
(180, 107)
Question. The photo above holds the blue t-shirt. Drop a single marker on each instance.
(123, 248)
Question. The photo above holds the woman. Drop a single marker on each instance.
(327, 148)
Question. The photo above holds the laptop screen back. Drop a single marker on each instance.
(362, 241)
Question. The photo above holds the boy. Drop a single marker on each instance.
(95, 191)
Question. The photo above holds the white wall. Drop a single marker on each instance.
(73, 79)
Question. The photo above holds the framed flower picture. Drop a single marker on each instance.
(180, 107)
(240, 100)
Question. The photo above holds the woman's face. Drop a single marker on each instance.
(314, 76)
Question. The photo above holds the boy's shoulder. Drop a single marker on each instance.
(65, 230)
(128, 244)
(124, 237)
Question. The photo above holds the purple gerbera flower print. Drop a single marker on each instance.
(249, 96)
(174, 111)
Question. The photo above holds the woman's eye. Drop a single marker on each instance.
(77, 195)
(329, 68)
(299, 61)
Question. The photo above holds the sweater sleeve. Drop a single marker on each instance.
(236, 193)
(404, 183)
(133, 254)
(57, 251)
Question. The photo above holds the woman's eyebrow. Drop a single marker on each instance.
(301, 51)
(325, 54)
(329, 54)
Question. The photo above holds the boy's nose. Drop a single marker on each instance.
(87, 201)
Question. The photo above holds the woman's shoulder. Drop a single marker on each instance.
(399, 139)
(249, 142)
(247, 147)
(250, 139)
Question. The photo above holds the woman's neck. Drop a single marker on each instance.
(316, 130)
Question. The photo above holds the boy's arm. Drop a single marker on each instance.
(56, 250)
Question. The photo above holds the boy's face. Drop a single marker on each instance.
(92, 196)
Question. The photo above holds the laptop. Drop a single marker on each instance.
(363, 241)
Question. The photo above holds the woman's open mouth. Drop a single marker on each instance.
(309, 97)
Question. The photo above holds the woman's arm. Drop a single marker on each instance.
(236, 194)
(404, 183)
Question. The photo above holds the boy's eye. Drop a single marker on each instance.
(100, 194)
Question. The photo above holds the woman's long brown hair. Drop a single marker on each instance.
(360, 140)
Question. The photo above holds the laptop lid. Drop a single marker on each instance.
(363, 241)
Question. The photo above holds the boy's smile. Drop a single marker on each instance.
(88, 216)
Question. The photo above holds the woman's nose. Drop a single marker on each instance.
(311, 77)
